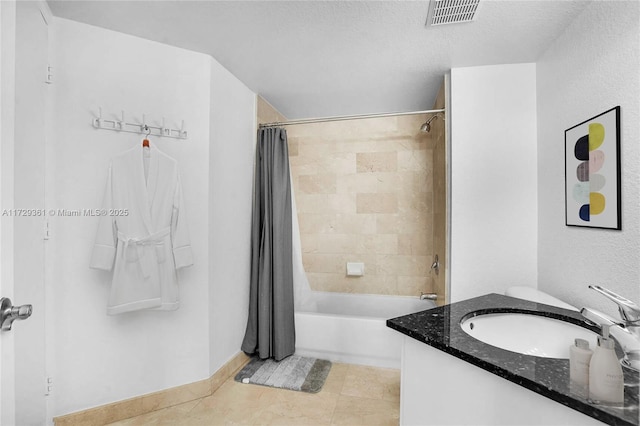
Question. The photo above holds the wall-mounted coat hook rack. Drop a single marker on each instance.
(121, 125)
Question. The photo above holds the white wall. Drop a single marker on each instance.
(231, 181)
(591, 68)
(493, 183)
(99, 358)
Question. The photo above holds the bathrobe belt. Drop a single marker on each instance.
(155, 239)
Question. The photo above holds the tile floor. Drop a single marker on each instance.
(352, 395)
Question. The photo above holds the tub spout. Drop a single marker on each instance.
(428, 296)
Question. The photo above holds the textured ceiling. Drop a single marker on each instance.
(323, 58)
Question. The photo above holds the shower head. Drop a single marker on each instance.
(426, 126)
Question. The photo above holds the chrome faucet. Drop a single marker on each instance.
(626, 331)
(629, 311)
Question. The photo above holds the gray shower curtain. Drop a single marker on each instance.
(270, 329)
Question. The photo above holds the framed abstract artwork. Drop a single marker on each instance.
(592, 172)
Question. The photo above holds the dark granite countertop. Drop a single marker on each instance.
(440, 328)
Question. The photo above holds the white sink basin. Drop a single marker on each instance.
(527, 334)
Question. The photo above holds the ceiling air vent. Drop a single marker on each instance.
(443, 12)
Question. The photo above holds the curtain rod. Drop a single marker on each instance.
(347, 117)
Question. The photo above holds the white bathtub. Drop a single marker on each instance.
(351, 328)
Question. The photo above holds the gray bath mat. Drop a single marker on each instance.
(295, 373)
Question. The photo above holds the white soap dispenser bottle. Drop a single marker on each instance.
(606, 382)
(579, 359)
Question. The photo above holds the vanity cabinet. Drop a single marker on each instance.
(439, 389)
(450, 378)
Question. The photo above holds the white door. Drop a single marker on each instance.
(7, 108)
(24, 38)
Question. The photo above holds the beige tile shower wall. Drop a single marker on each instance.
(364, 193)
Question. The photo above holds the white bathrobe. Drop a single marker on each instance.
(143, 236)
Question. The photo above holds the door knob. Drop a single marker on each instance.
(10, 313)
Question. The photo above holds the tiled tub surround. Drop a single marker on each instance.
(440, 328)
(364, 193)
